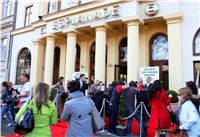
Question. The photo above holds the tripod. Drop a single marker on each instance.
(141, 106)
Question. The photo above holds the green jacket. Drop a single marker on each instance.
(43, 120)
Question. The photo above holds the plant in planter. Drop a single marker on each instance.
(121, 128)
(174, 94)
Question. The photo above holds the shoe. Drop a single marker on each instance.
(10, 124)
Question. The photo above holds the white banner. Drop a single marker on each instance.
(152, 72)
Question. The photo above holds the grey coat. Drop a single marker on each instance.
(77, 111)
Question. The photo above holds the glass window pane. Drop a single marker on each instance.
(69, 3)
(160, 48)
(23, 64)
(86, 1)
(197, 43)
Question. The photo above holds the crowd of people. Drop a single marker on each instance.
(72, 103)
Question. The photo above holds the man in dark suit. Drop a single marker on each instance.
(83, 83)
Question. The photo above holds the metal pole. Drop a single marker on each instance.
(104, 110)
(141, 104)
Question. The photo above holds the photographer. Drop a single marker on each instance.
(95, 88)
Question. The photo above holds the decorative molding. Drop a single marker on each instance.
(173, 18)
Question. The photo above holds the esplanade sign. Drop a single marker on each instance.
(86, 17)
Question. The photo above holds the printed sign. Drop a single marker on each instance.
(152, 72)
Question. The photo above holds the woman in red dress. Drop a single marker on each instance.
(159, 117)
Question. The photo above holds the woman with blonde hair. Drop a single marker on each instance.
(189, 120)
(44, 112)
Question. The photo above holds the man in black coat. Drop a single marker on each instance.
(83, 83)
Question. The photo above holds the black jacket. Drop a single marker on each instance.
(84, 87)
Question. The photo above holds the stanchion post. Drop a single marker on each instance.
(141, 105)
(104, 110)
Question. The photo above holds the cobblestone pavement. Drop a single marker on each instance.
(5, 131)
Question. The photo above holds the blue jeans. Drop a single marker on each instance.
(129, 111)
(5, 110)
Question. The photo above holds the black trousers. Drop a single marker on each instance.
(113, 117)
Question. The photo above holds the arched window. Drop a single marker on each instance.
(159, 47)
(196, 43)
(159, 56)
(78, 54)
(23, 64)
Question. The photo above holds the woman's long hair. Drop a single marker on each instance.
(155, 87)
(41, 95)
(192, 85)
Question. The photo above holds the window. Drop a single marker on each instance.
(6, 8)
(123, 51)
(53, 6)
(28, 15)
(71, 3)
(197, 72)
(196, 43)
(159, 47)
(86, 1)
(23, 64)
(3, 49)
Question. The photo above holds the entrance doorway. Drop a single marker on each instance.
(159, 56)
(56, 66)
(121, 69)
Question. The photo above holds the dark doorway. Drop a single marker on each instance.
(121, 69)
(78, 53)
(56, 66)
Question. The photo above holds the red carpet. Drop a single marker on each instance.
(59, 130)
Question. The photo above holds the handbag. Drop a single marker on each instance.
(26, 122)
(97, 121)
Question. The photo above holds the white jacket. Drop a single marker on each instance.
(189, 119)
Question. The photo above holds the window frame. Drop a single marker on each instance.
(6, 8)
(23, 67)
(4, 49)
(29, 15)
(193, 43)
(150, 48)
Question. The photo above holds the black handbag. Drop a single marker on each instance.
(26, 122)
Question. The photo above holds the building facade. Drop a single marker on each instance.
(110, 40)
(7, 24)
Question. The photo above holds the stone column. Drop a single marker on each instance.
(49, 60)
(70, 55)
(37, 62)
(100, 53)
(133, 50)
(175, 51)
